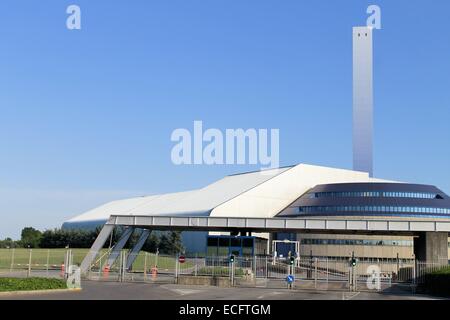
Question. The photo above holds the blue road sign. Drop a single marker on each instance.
(290, 279)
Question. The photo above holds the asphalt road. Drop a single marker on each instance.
(94, 290)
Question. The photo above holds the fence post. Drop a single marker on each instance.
(48, 260)
(145, 266)
(196, 265)
(315, 272)
(232, 274)
(176, 268)
(12, 259)
(267, 267)
(328, 273)
(122, 266)
(100, 268)
(29, 264)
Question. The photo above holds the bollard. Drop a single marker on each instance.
(106, 272)
(154, 272)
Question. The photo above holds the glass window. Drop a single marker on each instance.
(213, 242)
(224, 242)
(247, 242)
(235, 242)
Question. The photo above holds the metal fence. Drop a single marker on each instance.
(258, 271)
(35, 262)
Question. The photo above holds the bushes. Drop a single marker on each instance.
(30, 284)
(438, 282)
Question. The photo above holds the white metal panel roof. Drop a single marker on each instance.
(196, 202)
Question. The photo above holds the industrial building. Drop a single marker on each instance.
(297, 192)
(330, 212)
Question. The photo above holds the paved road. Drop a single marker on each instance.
(93, 290)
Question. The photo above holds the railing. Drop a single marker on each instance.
(309, 272)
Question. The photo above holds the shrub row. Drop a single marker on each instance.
(30, 284)
(438, 282)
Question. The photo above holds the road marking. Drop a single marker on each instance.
(182, 292)
(275, 293)
(349, 297)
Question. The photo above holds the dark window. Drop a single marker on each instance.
(212, 242)
(235, 242)
(247, 242)
(224, 242)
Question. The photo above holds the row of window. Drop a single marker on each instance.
(229, 242)
(356, 242)
(346, 194)
(373, 209)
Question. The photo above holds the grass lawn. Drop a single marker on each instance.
(30, 284)
(19, 259)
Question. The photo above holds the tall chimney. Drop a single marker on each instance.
(363, 100)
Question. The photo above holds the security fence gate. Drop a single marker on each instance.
(316, 273)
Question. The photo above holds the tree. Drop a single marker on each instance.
(152, 243)
(30, 237)
(176, 245)
(170, 243)
(8, 243)
(73, 238)
(164, 244)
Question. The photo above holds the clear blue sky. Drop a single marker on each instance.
(86, 116)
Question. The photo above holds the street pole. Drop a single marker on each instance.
(232, 274)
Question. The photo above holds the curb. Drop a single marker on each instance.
(32, 292)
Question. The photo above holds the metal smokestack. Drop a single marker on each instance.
(363, 99)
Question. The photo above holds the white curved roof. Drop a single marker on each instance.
(254, 194)
(197, 202)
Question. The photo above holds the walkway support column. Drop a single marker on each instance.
(431, 247)
(119, 246)
(96, 247)
(137, 248)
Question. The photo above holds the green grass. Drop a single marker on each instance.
(30, 284)
(56, 258)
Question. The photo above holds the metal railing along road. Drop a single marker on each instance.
(266, 271)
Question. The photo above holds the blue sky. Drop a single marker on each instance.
(86, 115)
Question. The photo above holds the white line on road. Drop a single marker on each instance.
(349, 297)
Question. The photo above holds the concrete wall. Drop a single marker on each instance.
(223, 282)
(432, 247)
